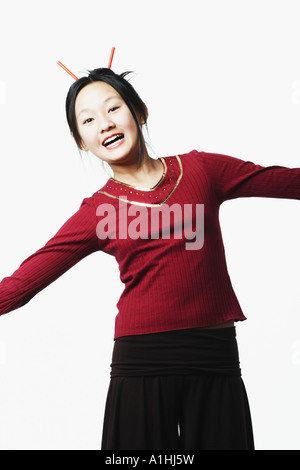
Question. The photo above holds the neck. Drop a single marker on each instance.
(134, 175)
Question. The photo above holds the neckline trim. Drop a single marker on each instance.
(173, 181)
(140, 188)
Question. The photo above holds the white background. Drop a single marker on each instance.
(217, 76)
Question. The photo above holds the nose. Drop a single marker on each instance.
(106, 124)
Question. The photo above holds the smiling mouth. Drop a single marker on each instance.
(113, 141)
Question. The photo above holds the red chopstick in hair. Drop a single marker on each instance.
(111, 57)
(74, 76)
(67, 70)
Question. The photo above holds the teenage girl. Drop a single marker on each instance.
(175, 374)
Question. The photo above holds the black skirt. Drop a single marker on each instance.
(177, 390)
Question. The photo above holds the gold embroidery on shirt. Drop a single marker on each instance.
(146, 189)
(144, 203)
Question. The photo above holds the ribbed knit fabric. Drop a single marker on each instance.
(173, 267)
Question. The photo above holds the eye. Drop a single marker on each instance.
(114, 108)
(87, 121)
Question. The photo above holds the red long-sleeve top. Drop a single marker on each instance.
(167, 241)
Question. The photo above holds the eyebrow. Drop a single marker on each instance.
(88, 110)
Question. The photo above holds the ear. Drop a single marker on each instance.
(82, 146)
(142, 120)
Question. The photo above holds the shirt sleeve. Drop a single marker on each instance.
(75, 240)
(233, 178)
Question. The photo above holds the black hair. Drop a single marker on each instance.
(123, 88)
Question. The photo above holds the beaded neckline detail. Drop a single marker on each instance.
(141, 188)
(153, 197)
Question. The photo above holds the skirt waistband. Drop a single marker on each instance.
(184, 352)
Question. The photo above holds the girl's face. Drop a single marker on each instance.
(106, 125)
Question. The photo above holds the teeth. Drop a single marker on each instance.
(112, 140)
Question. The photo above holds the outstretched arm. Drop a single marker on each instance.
(75, 240)
(232, 178)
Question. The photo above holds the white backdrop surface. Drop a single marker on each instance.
(217, 76)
